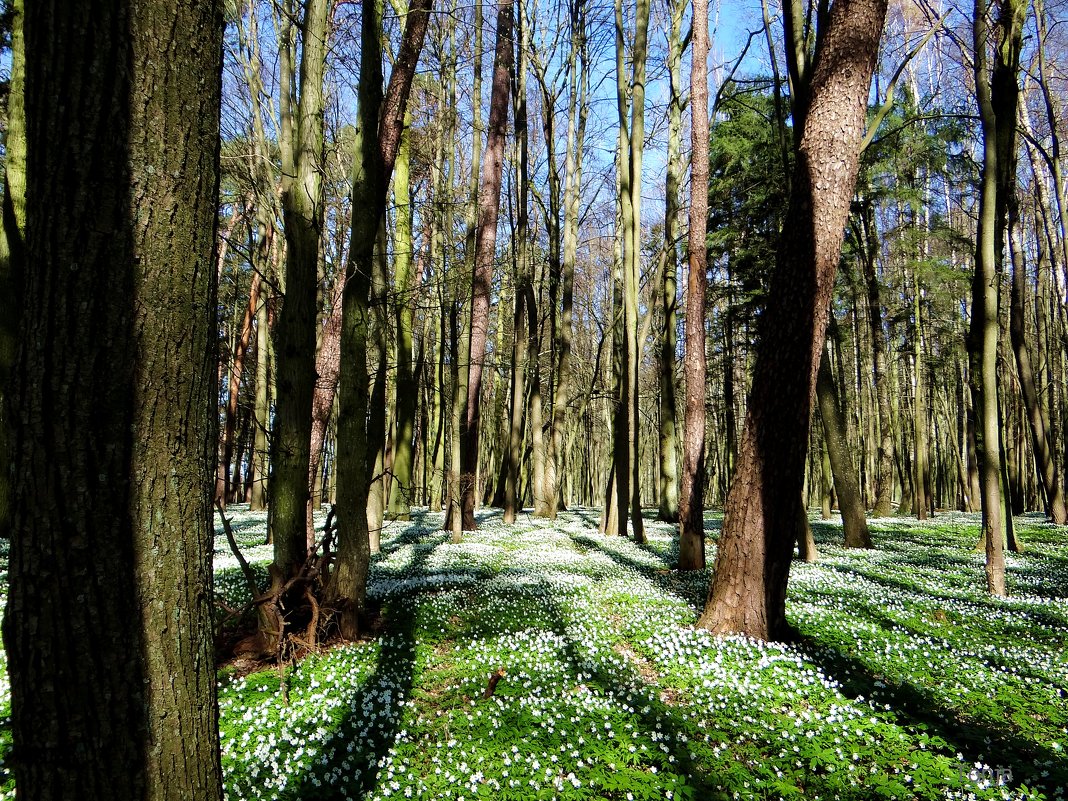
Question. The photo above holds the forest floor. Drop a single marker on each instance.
(907, 681)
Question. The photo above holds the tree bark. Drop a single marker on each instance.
(378, 139)
(302, 213)
(997, 96)
(12, 244)
(237, 369)
(691, 501)
(748, 594)
(854, 523)
(485, 246)
(884, 469)
(108, 626)
(1045, 464)
(327, 370)
(669, 441)
(402, 488)
(576, 134)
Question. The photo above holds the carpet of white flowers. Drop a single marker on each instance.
(906, 681)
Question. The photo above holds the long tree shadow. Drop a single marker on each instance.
(655, 716)
(368, 729)
(1044, 617)
(670, 581)
(1037, 764)
(348, 762)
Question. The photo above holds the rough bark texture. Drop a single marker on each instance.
(108, 623)
(302, 213)
(11, 246)
(843, 471)
(485, 246)
(691, 499)
(748, 594)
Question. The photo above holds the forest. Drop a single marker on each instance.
(535, 399)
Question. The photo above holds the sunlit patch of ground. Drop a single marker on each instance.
(906, 682)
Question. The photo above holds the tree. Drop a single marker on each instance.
(108, 624)
(485, 245)
(997, 94)
(302, 135)
(748, 594)
(630, 105)
(691, 506)
(669, 267)
(377, 142)
(11, 245)
(577, 110)
(843, 472)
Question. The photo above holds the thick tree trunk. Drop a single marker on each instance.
(485, 245)
(107, 627)
(691, 505)
(748, 594)
(12, 243)
(854, 523)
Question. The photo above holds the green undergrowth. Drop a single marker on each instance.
(906, 681)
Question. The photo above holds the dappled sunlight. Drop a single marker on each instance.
(907, 680)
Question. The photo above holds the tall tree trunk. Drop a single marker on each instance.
(12, 243)
(630, 97)
(576, 134)
(259, 456)
(748, 594)
(376, 417)
(884, 470)
(919, 409)
(691, 505)
(237, 369)
(997, 96)
(401, 489)
(107, 627)
(854, 523)
(462, 346)
(485, 246)
(1038, 423)
(327, 369)
(669, 468)
(302, 212)
(378, 139)
(524, 326)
